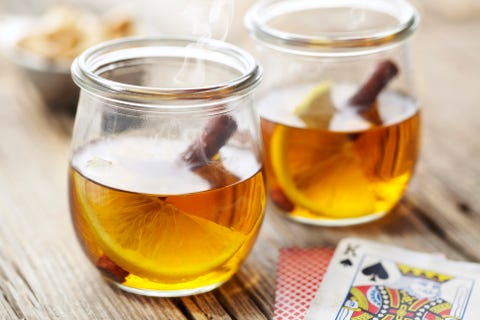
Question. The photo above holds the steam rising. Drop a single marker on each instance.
(210, 19)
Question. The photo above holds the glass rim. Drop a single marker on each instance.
(327, 44)
(86, 67)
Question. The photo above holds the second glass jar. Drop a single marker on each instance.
(340, 117)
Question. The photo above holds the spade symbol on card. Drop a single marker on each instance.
(346, 263)
(376, 271)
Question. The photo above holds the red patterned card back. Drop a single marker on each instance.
(299, 274)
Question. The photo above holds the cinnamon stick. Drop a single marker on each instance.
(216, 133)
(368, 92)
(365, 97)
(280, 199)
(111, 270)
(201, 151)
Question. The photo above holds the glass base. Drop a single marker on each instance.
(166, 293)
(325, 222)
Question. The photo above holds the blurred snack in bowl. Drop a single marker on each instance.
(65, 31)
(118, 24)
(46, 49)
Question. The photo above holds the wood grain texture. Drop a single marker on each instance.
(44, 274)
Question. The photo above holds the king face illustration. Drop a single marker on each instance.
(416, 295)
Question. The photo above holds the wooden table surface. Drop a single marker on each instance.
(45, 275)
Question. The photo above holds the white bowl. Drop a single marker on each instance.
(51, 78)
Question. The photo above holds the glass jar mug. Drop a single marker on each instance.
(339, 115)
(166, 188)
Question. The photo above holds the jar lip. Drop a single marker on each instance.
(328, 43)
(86, 68)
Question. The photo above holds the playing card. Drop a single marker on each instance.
(368, 280)
(299, 273)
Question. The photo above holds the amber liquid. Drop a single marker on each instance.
(163, 243)
(342, 176)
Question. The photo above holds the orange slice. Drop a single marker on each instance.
(150, 237)
(320, 171)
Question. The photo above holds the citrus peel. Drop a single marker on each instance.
(151, 238)
(316, 178)
(317, 108)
